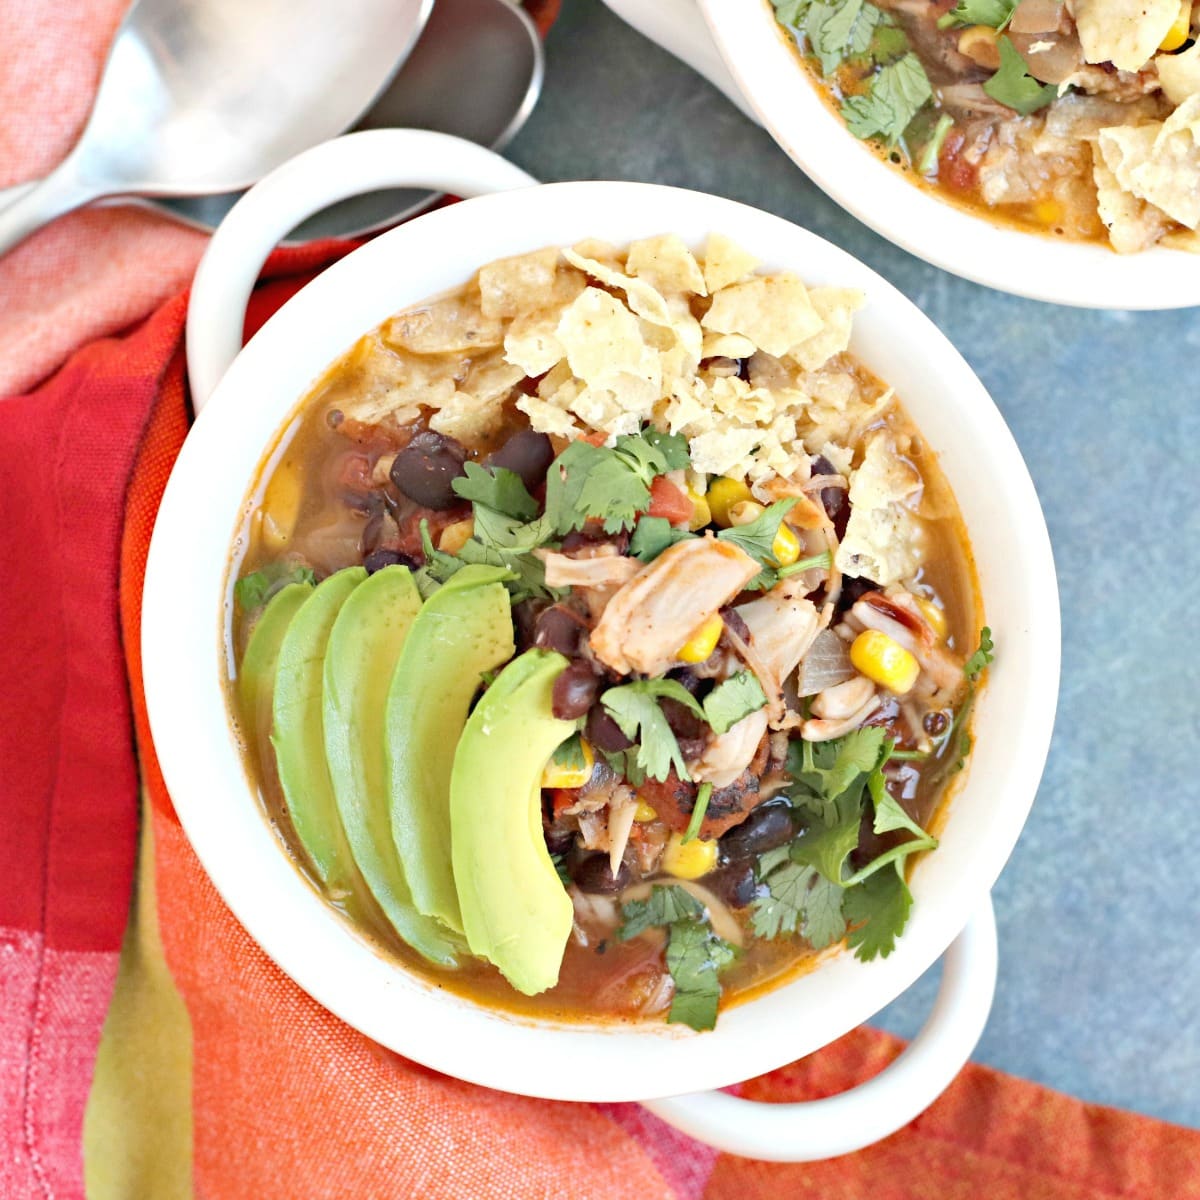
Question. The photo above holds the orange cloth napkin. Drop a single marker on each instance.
(268, 1094)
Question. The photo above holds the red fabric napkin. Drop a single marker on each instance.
(284, 1099)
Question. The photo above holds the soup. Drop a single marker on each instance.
(604, 635)
(1079, 119)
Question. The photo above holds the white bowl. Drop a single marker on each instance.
(785, 97)
(186, 596)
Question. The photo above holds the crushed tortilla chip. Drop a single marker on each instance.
(667, 265)
(773, 311)
(1179, 73)
(882, 541)
(531, 342)
(1132, 224)
(1123, 32)
(836, 308)
(725, 262)
(454, 324)
(510, 286)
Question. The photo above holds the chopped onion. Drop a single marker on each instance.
(1037, 16)
(826, 664)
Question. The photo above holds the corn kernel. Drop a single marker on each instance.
(981, 44)
(1180, 28)
(935, 618)
(456, 535)
(785, 549)
(556, 776)
(701, 513)
(885, 661)
(689, 861)
(281, 505)
(723, 494)
(644, 812)
(703, 640)
(1048, 212)
(745, 511)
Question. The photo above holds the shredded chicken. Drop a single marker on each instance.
(602, 570)
(651, 616)
(621, 810)
(731, 752)
(817, 729)
(782, 626)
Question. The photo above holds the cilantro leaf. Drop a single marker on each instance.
(996, 13)
(695, 958)
(781, 910)
(840, 30)
(932, 149)
(732, 699)
(259, 586)
(653, 535)
(439, 566)
(790, 12)
(1012, 85)
(888, 43)
(877, 911)
(758, 537)
(635, 708)
(896, 93)
(890, 816)
(500, 489)
(569, 754)
(653, 452)
(824, 923)
(823, 772)
(826, 848)
(982, 657)
(664, 906)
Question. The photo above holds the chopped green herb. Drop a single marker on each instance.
(1012, 85)
(889, 43)
(695, 958)
(877, 911)
(983, 655)
(653, 535)
(758, 537)
(609, 484)
(664, 906)
(840, 30)
(896, 94)
(499, 489)
(635, 708)
(732, 700)
(698, 810)
(569, 754)
(824, 559)
(255, 589)
(790, 12)
(996, 13)
(781, 910)
(927, 163)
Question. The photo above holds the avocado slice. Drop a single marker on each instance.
(256, 675)
(462, 630)
(515, 910)
(364, 646)
(297, 735)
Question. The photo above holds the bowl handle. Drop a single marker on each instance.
(817, 1129)
(332, 171)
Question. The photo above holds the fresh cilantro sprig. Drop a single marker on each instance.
(982, 655)
(610, 484)
(996, 13)
(259, 586)
(877, 912)
(635, 708)
(569, 755)
(894, 96)
(1013, 86)
(653, 535)
(499, 541)
(497, 488)
(840, 30)
(732, 700)
(758, 537)
(664, 906)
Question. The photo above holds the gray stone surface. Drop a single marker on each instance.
(1099, 908)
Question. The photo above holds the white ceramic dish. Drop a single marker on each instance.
(183, 629)
(760, 71)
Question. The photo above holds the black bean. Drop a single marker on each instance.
(425, 469)
(935, 723)
(525, 616)
(559, 841)
(766, 827)
(558, 628)
(527, 453)
(574, 692)
(592, 874)
(853, 590)
(604, 733)
(687, 679)
(735, 884)
(378, 559)
(683, 722)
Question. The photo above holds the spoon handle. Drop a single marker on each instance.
(34, 205)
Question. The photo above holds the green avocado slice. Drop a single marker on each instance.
(515, 910)
(296, 733)
(364, 646)
(462, 630)
(256, 675)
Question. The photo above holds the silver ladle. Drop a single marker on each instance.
(206, 96)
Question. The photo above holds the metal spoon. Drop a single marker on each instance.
(205, 96)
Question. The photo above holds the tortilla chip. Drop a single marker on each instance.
(454, 324)
(643, 299)
(726, 345)
(882, 541)
(531, 343)
(667, 265)
(546, 417)
(1160, 162)
(1179, 73)
(773, 311)
(1133, 225)
(1183, 239)
(389, 385)
(510, 286)
(603, 338)
(725, 262)
(1123, 32)
(836, 308)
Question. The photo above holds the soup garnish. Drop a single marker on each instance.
(1077, 117)
(602, 633)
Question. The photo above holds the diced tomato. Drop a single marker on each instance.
(596, 438)
(666, 500)
(561, 798)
